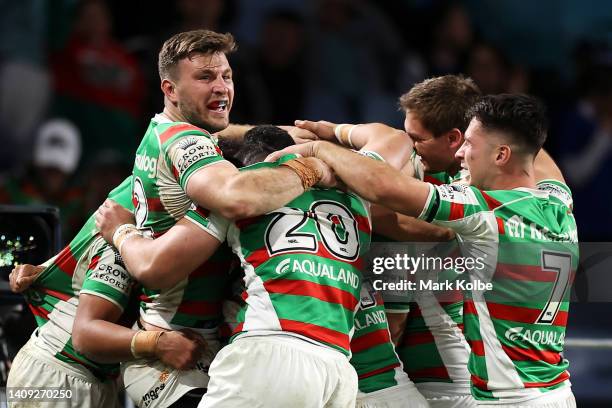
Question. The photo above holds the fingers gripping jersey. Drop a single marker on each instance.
(87, 265)
(373, 353)
(169, 154)
(529, 239)
(302, 266)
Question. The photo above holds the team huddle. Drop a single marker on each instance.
(245, 248)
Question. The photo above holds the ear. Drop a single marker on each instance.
(169, 89)
(502, 155)
(455, 139)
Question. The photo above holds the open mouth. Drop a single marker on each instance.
(218, 106)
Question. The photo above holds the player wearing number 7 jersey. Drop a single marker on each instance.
(520, 216)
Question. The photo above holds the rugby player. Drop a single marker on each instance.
(78, 298)
(509, 201)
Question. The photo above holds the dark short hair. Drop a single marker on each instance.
(183, 45)
(262, 140)
(441, 103)
(520, 117)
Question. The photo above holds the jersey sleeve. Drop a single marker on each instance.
(107, 277)
(558, 190)
(455, 206)
(188, 149)
(211, 223)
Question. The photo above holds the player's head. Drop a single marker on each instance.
(196, 77)
(436, 118)
(260, 141)
(504, 135)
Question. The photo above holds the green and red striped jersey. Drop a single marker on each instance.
(87, 265)
(302, 266)
(528, 241)
(433, 349)
(373, 353)
(169, 154)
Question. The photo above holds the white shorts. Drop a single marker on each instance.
(400, 396)
(280, 371)
(559, 398)
(442, 395)
(152, 384)
(35, 367)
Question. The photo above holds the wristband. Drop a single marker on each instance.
(305, 172)
(338, 132)
(350, 133)
(144, 343)
(122, 233)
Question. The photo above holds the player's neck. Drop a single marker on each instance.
(173, 114)
(508, 180)
(454, 169)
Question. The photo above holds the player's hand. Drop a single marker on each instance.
(328, 178)
(322, 129)
(22, 276)
(180, 349)
(109, 217)
(300, 135)
(304, 150)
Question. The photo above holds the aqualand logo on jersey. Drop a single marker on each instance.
(535, 336)
(316, 269)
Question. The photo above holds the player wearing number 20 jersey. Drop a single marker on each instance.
(302, 276)
(516, 330)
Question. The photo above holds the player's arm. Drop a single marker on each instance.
(546, 168)
(96, 335)
(236, 132)
(402, 227)
(165, 261)
(232, 194)
(375, 181)
(393, 145)
(397, 325)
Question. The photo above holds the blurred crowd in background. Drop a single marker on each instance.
(79, 82)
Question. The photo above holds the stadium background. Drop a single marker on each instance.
(80, 79)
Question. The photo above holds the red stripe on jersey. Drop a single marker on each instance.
(477, 347)
(174, 130)
(479, 383)
(428, 179)
(500, 226)
(363, 224)
(155, 204)
(522, 314)
(244, 295)
(430, 372)
(379, 370)
(521, 354)
(456, 211)
(524, 273)
(415, 311)
(449, 297)
(199, 307)
(315, 332)
(370, 340)
(562, 377)
(305, 288)
(202, 211)
(469, 307)
(175, 173)
(56, 294)
(94, 262)
(66, 261)
(414, 339)
(491, 202)
(238, 328)
(210, 268)
(39, 311)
